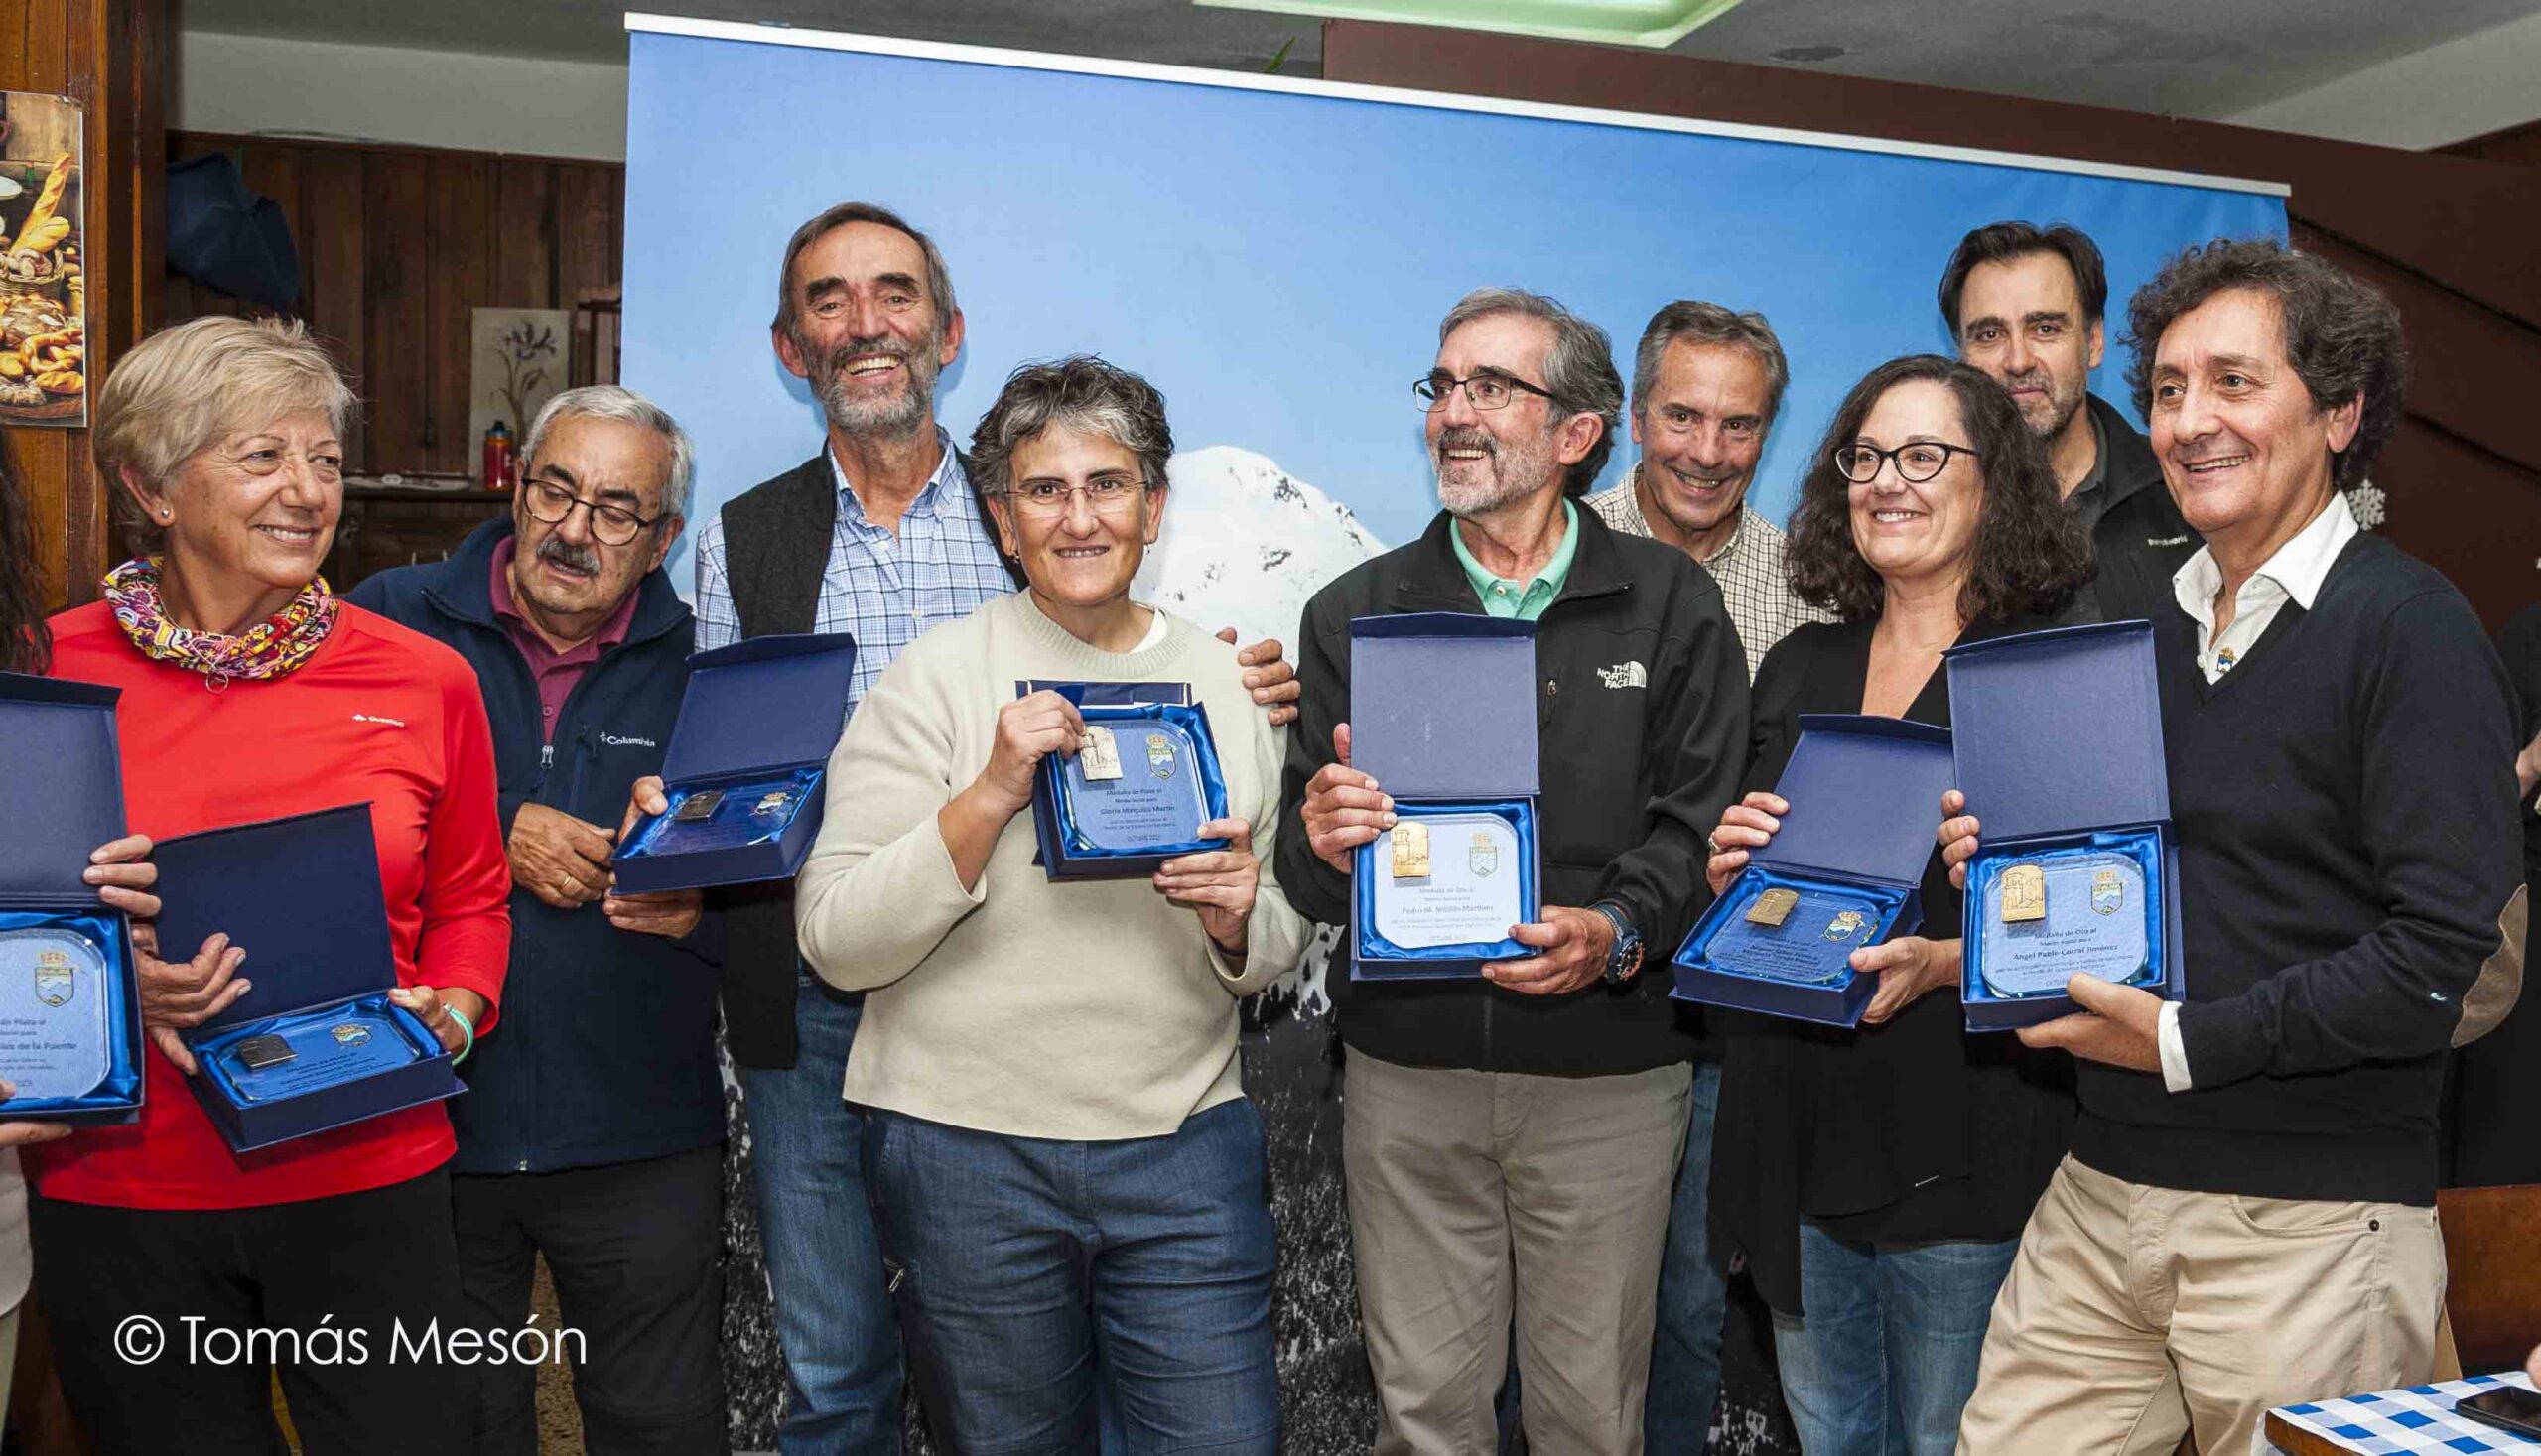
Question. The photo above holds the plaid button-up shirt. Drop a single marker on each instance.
(883, 589)
(1749, 569)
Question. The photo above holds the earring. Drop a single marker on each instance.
(166, 512)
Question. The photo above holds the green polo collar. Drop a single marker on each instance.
(1524, 600)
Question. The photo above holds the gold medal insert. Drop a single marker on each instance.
(1773, 907)
(1411, 850)
(2023, 894)
(1100, 754)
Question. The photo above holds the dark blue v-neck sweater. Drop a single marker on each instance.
(2345, 802)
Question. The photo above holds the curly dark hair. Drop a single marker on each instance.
(2030, 554)
(25, 644)
(1079, 392)
(2341, 334)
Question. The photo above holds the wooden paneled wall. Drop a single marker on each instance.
(111, 57)
(397, 244)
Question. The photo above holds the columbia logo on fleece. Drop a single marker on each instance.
(1625, 675)
(370, 717)
(615, 742)
(2166, 540)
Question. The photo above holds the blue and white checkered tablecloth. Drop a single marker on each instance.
(2417, 1421)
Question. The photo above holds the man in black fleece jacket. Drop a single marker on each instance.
(1510, 1143)
(2247, 1216)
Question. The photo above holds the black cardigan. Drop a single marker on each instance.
(1913, 1130)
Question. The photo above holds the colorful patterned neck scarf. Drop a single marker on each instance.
(270, 649)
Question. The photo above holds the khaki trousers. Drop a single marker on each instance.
(1476, 1195)
(2134, 1315)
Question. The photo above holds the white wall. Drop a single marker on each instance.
(2484, 81)
(251, 85)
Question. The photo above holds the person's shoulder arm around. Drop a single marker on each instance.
(466, 897)
(719, 623)
(1696, 738)
(1310, 883)
(880, 887)
(2438, 815)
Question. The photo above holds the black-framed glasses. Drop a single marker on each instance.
(1048, 500)
(611, 525)
(1917, 462)
(1486, 391)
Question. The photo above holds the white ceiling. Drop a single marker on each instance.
(2190, 57)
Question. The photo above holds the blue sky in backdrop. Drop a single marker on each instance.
(1277, 263)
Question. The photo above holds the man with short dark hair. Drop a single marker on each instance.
(593, 1129)
(2023, 304)
(1509, 1141)
(2247, 1216)
(1707, 384)
(883, 535)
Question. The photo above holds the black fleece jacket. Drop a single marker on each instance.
(1636, 767)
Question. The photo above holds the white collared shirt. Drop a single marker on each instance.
(2294, 574)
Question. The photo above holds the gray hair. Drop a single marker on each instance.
(1694, 321)
(1580, 369)
(1079, 392)
(2342, 333)
(626, 406)
(939, 279)
(184, 389)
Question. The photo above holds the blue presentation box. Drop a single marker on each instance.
(69, 1006)
(1107, 829)
(1443, 716)
(2058, 739)
(748, 763)
(301, 896)
(1866, 796)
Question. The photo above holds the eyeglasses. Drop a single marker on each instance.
(1110, 496)
(1916, 462)
(1487, 391)
(323, 464)
(611, 525)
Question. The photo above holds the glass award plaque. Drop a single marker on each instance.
(1799, 935)
(2049, 915)
(55, 1037)
(1448, 879)
(1134, 787)
(290, 1056)
(726, 816)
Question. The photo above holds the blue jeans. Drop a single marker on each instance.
(1693, 1296)
(1885, 1357)
(833, 1312)
(1029, 1270)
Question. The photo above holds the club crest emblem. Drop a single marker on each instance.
(351, 1033)
(56, 979)
(1485, 857)
(2108, 892)
(1160, 756)
(1845, 925)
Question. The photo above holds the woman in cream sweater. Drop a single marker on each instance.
(1066, 1173)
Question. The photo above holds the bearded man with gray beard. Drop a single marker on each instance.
(1509, 1141)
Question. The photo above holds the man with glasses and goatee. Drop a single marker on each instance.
(1511, 1140)
(593, 1132)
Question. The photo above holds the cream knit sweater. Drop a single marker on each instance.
(1082, 1009)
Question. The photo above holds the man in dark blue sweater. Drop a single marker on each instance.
(593, 1125)
(2247, 1216)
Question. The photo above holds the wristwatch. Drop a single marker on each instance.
(1623, 963)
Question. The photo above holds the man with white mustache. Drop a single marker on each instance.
(2023, 304)
(1509, 1141)
(883, 535)
(1707, 384)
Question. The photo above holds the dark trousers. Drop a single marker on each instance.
(636, 1254)
(367, 1264)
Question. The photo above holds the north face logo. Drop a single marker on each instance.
(1625, 675)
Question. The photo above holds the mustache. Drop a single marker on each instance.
(568, 555)
(1467, 437)
(877, 345)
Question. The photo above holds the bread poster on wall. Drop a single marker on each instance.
(44, 373)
